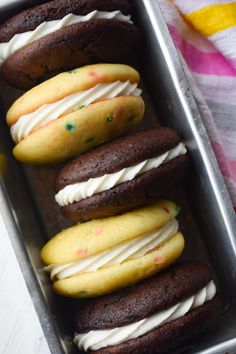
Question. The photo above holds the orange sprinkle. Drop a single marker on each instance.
(159, 260)
(99, 230)
(82, 252)
(166, 210)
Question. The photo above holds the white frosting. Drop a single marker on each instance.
(21, 40)
(75, 192)
(95, 340)
(124, 251)
(49, 112)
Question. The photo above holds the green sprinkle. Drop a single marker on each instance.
(72, 71)
(178, 210)
(70, 127)
(83, 293)
(82, 106)
(96, 144)
(110, 118)
(89, 140)
(131, 283)
(130, 119)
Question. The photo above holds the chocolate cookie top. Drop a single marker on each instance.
(116, 155)
(145, 189)
(144, 299)
(31, 18)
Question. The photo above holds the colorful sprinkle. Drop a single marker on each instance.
(130, 119)
(93, 73)
(166, 210)
(178, 210)
(159, 260)
(83, 293)
(96, 144)
(72, 71)
(96, 75)
(70, 127)
(82, 252)
(82, 106)
(89, 140)
(131, 283)
(99, 230)
(110, 118)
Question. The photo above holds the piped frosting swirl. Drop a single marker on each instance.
(97, 339)
(118, 254)
(50, 112)
(78, 191)
(21, 40)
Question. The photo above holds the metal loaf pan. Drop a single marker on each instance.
(207, 219)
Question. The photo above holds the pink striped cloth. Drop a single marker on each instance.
(204, 32)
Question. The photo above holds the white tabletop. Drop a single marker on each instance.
(20, 329)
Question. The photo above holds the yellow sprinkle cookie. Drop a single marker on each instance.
(75, 111)
(104, 255)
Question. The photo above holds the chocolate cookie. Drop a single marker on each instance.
(152, 317)
(61, 35)
(127, 173)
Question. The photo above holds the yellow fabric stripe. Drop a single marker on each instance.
(213, 18)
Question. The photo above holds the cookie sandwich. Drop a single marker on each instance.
(152, 317)
(75, 111)
(124, 174)
(104, 255)
(61, 35)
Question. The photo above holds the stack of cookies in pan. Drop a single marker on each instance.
(120, 254)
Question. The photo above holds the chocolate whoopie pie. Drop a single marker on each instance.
(152, 317)
(124, 174)
(60, 35)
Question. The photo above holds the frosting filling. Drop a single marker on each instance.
(21, 40)
(118, 254)
(50, 112)
(97, 339)
(78, 191)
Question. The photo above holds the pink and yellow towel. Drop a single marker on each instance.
(204, 31)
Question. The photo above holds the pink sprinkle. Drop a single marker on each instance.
(93, 73)
(167, 210)
(159, 260)
(99, 230)
(96, 74)
(82, 252)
